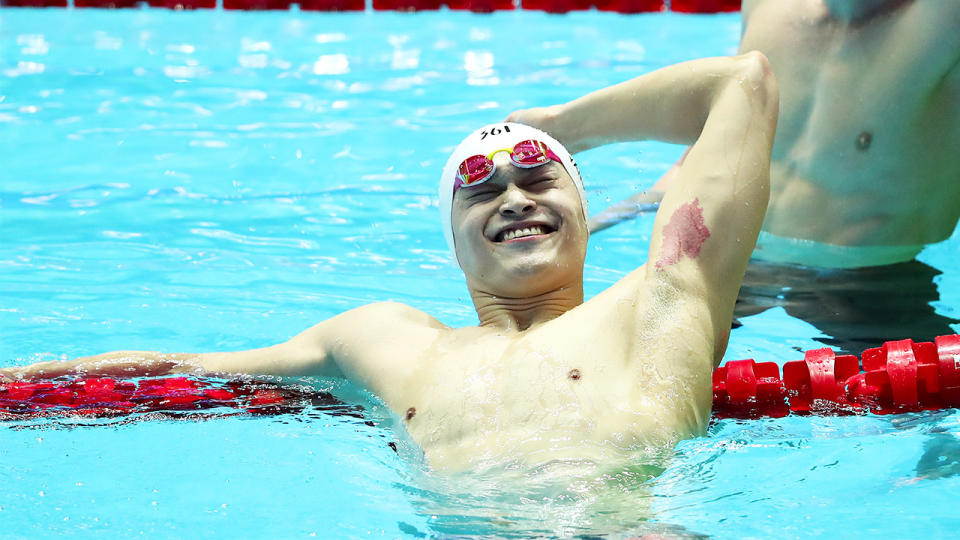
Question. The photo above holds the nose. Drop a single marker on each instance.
(516, 203)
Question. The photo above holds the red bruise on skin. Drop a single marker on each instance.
(683, 235)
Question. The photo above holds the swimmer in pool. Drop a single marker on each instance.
(546, 376)
(865, 168)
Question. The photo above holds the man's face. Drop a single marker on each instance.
(522, 232)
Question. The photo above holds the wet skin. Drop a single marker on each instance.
(866, 147)
(540, 199)
(547, 378)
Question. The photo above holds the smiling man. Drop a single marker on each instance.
(546, 376)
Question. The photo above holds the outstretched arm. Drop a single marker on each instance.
(305, 354)
(347, 345)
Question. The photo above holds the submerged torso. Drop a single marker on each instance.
(867, 142)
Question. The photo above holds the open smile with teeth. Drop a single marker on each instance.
(513, 234)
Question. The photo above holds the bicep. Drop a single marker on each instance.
(369, 345)
(307, 353)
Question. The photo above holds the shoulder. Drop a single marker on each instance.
(769, 11)
(371, 326)
(929, 43)
(372, 316)
(377, 344)
(749, 7)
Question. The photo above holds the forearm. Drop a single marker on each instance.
(670, 104)
(305, 354)
(113, 364)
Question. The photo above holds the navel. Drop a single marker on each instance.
(574, 374)
(864, 140)
(411, 412)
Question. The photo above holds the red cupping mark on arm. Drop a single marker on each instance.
(683, 235)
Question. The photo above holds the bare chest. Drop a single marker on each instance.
(539, 399)
(862, 134)
(517, 386)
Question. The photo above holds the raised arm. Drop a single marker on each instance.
(709, 219)
(648, 201)
(671, 104)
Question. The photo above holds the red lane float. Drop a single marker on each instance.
(620, 6)
(704, 6)
(479, 6)
(106, 4)
(332, 5)
(748, 389)
(257, 5)
(900, 376)
(406, 5)
(100, 396)
(630, 6)
(180, 5)
(34, 3)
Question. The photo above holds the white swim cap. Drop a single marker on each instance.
(486, 140)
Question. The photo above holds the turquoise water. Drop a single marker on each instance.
(221, 181)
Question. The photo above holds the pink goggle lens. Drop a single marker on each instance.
(531, 153)
(475, 169)
(478, 168)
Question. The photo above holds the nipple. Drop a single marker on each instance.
(574, 374)
(411, 412)
(863, 141)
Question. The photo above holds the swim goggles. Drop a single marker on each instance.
(525, 154)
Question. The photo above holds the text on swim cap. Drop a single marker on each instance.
(494, 131)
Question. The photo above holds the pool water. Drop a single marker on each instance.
(213, 180)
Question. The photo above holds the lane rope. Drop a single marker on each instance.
(478, 6)
(900, 376)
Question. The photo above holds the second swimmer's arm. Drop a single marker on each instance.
(641, 203)
(629, 208)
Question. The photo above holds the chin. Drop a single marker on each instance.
(532, 275)
(526, 270)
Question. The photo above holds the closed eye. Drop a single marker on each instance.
(481, 193)
(539, 183)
